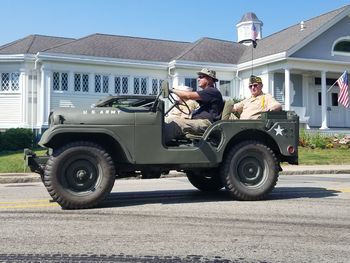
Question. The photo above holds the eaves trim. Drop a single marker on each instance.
(194, 64)
(263, 61)
(16, 58)
(320, 61)
(100, 60)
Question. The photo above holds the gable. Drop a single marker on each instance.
(321, 47)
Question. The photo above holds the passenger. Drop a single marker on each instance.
(251, 108)
(183, 112)
(210, 103)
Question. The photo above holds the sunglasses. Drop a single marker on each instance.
(201, 76)
(253, 85)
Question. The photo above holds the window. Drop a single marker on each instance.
(9, 82)
(60, 81)
(140, 85)
(143, 86)
(155, 86)
(85, 83)
(341, 47)
(101, 83)
(105, 84)
(319, 99)
(225, 88)
(334, 99)
(81, 82)
(121, 85)
(191, 82)
(136, 85)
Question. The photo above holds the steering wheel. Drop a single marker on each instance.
(167, 93)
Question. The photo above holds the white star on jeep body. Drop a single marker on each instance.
(279, 130)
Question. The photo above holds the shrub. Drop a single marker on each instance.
(16, 139)
(320, 141)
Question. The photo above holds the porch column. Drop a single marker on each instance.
(287, 89)
(45, 97)
(323, 101)
(23, 87)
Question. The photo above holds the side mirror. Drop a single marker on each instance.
(165, 89)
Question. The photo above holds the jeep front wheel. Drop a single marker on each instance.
(79, 175)
(250, 171)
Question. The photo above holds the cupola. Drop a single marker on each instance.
(249, 28)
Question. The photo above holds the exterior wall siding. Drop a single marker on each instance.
(10, 110)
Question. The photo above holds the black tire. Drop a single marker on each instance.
(250, 171)
(79, 175)
(208, 181)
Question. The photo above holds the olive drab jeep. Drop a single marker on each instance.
(122, 135)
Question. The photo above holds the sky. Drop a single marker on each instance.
(180, 20)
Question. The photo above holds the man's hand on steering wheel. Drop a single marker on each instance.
(178, 103)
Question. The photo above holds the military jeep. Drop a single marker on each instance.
(122, 135)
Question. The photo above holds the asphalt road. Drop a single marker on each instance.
(305, 219)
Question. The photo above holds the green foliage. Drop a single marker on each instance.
(16, 139)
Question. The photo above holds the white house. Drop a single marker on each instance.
(297, 65)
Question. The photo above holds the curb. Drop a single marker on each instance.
(10, 178)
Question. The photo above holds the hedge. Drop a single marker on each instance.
(16, 139)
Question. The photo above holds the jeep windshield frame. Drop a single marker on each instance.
(127, 101)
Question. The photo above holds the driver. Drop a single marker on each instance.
(210, 103)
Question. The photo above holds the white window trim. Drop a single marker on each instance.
(333, 53)
(60, 90)
(18, 91)
(81, 83)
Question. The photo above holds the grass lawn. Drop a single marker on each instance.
(14, 163)
(309, 156)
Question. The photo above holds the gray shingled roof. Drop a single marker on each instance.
(286, 39)
(33, 44)
(123, 47)
(213, 50)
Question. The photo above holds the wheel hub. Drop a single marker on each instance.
(250, 171)
(81, 175)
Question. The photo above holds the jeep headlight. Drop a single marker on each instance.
(55, 119)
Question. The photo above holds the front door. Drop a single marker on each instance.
(336, 112)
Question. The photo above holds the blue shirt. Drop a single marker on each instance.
(211, 104)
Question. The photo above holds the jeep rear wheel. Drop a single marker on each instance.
(208, 180)
(250, 171)
(79, 175)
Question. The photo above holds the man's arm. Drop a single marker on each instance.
(187, 95)
(273, 104)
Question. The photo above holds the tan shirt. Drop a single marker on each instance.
(252, 107)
